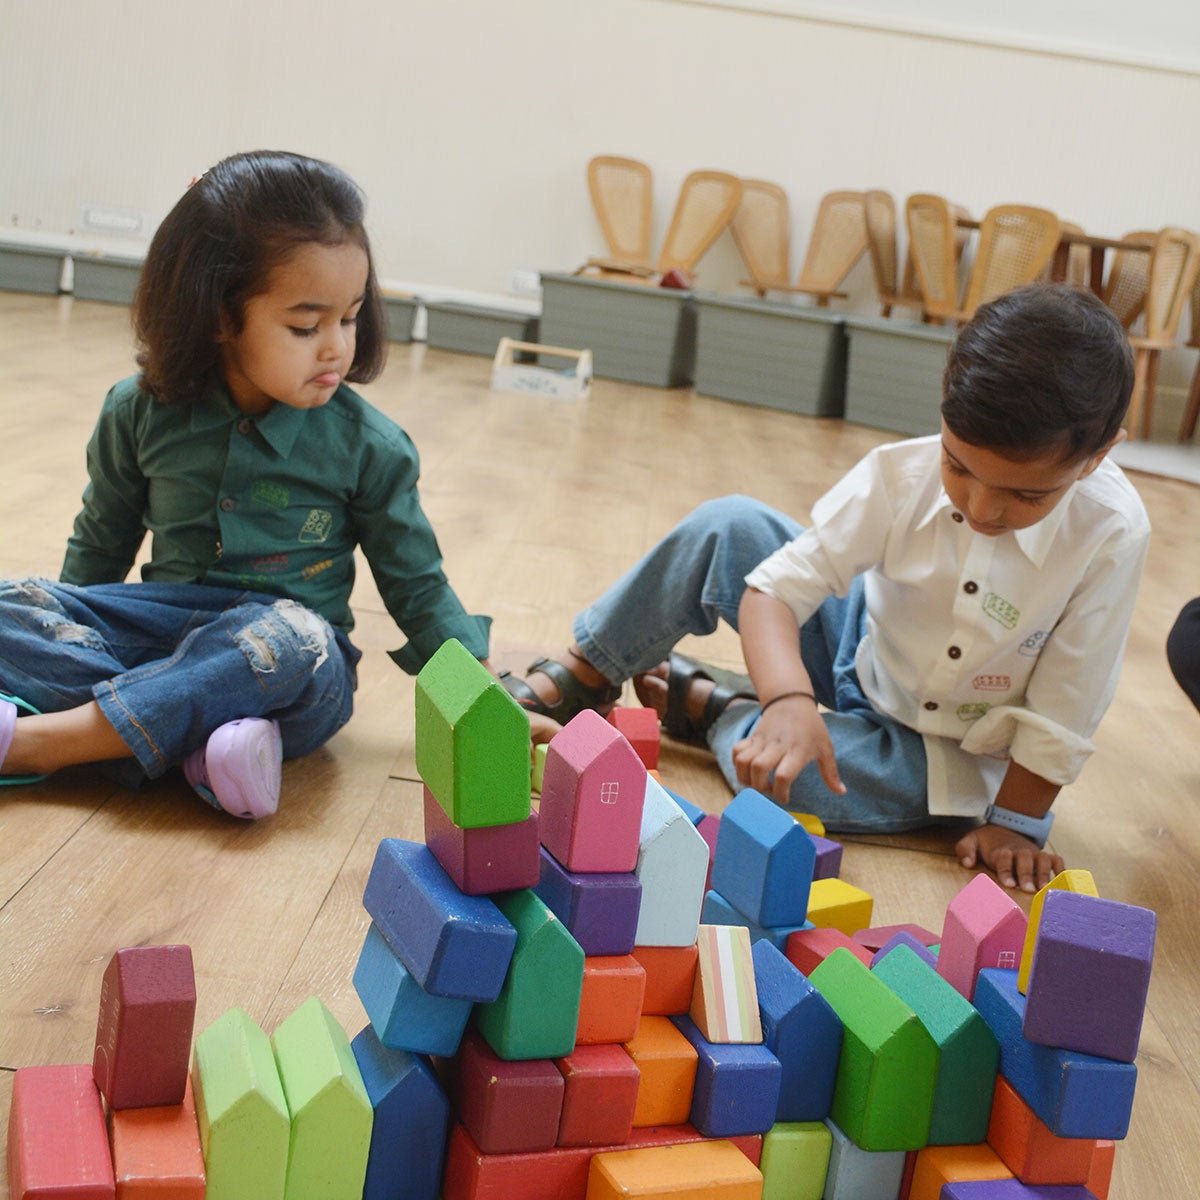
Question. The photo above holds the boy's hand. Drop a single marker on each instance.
(541, 729)
(789, 736)
(1015, 859)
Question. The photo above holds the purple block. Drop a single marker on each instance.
(1091, 971)
(1013, 1189)
(828, 864)
(904, 938)
(492, 858)
(599, 909)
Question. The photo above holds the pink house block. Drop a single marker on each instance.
(984, 927)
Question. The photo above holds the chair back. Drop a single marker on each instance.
(1194, 340)
(933, 248)
(879, 212)
(1016, 244)
(760, 228)
(1079, 259)
(838, 240)
(621, 190)
(1174, 263)
(706, 204)
(1125, 287)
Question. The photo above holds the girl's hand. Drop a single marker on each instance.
(789, 735)
(1015, 859)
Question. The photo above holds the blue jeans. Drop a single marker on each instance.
(694, 578)
(168, 663)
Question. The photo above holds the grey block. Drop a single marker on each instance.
(25, 268)
(636, 333)
(894, 375)
(777, 355)
(106, 277)
(400, 312)
(473, 329)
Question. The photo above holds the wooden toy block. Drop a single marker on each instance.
(716, 1170)
(492, 858)
(1076, 1095)
(968, 1053)
(1090, 976)
(827, 863)
(537, 1011)
(883, 1098)
(1074, 880)
(403, 1014)
(693, 812)
(411, 1116)
(737, 1086)
(57, 1140)
(599, 1097)
(716, 910)
(811, 822)
(1099, 1178)
(144, 1029)
(156, 1151)
(331, 1113)
(600, 909)
(724, 999)
(241, 1110)
(709, 828)
(672, 864)
(937, 1166)
(984, 927)
(1011, 1189)
(921, 950)
(807, 949)
(507, 1107)
(764, 861)
(558, 1174)
(472, 740)
(910, 1165)
(610, 1005)
(538, 773)
(855, 1173)
(1028, 1148)
(452, 944)
(670, 977)
(639, 727)
(667, 1062)
(592, 796)
(878, 936)
(802, 1031)
(795, 1160)
(836, 904)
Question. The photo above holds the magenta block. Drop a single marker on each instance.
(828, 864)
(709, 828)
(984, 927)
(593, 791)
(1091, 971)
(492, 858)
(599, 909)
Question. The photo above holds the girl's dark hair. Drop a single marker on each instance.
(215, 250)
(1043, 369)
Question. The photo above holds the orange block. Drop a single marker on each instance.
(667, 1062)
(670, 976)
(610, 1004)
(1028, 1148)
(1099, 1178)
(156, 1152)
(939, 1165)
(692, 1171)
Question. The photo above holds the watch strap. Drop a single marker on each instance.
(1036, 829)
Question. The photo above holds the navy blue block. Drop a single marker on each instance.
(600, 909)
(412, 1117)
(737, 1086)
(1076, 1095)
(801, 1029)
(716, 910)
(452, 944)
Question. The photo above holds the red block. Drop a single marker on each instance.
(670, 978)
(807, 949)
(156, 1152)
(601, 1093)
(494, 858)
(1099, 1179)
(610, 1004)
(559, 1174)
(144, 1031)
(878, 936)
(57, 1140)
(641, 731)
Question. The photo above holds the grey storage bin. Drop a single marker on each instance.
(108, 277)
(775, 354)
(637, 333)
(26, 268)
(894, 375)
(473, 329)
(400, 312)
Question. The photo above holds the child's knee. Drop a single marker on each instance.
(285, 638)
(32, 605)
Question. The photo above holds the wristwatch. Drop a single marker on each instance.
(1036, 829)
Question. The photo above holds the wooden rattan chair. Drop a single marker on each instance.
(879, 212)
(621, 191)
(1191, 410)
(1079, 260)
(706, 204)
(1125, 287)
(1016, 244)
(838, 240)
(1174, 264)
(932, 244)
(761, 230)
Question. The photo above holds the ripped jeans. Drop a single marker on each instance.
(168, 662)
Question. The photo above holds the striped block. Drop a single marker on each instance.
(724, 997)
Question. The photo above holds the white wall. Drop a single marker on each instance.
(469, 122)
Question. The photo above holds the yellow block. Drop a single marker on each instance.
(836, 904)
(692, 1171)
(811, 822)
(725, 996)
(1067, 881)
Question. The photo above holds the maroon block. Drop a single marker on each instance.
(878, 936)
(493, 858)
(144, 1030)
(601, 1087)
(709, 828)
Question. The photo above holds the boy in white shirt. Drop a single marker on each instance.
(959, 606)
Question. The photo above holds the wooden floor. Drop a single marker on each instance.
(537, 503)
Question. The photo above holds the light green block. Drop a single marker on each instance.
(883, 1098)
(331, 1114)
(472, 741)
(241, 1110)
(969, 1053)
(537, 1012)
(795, 1160)
(539, 765)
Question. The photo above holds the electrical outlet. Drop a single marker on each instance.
(525, 283)
(105, 219)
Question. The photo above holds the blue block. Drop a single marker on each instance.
(737, 1085)
(452, 944)
(764, 861)
(718, 911)
(411, 1121)
(693, 812)
(904, 938)
(404, 1015)
(600, 910)
(855, 1174)
(1076, 1095)
(801, 1029)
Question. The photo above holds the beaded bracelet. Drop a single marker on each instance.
(787, 696)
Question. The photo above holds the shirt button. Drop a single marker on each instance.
(954, 652)
(245, 425)
(957, 517)
(228, 504)
(931, 706)
(970, 587)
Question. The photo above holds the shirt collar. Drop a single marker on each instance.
(280, 425)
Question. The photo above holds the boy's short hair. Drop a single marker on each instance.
(1045, 368)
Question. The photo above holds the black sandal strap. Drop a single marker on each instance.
(573, 694)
